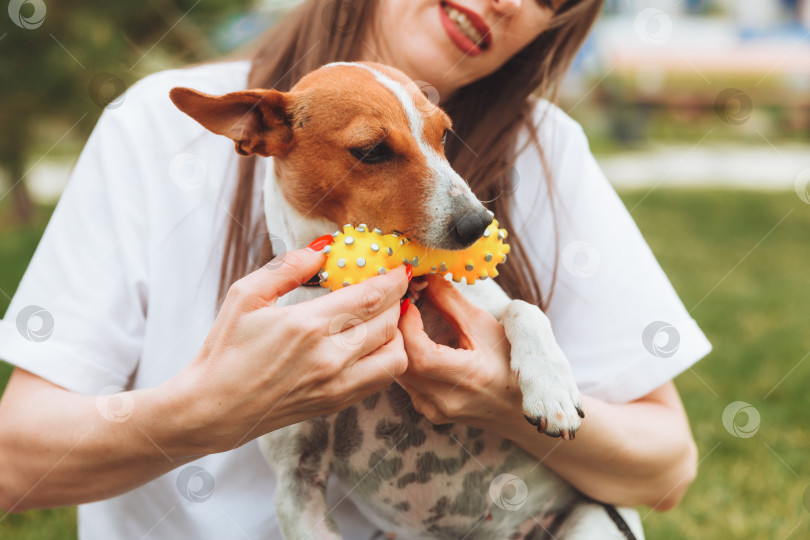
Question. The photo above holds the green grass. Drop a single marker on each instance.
(749, 285)
(17, 246)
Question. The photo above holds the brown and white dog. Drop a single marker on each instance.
(346, 141)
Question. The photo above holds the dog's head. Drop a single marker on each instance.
(353, 143)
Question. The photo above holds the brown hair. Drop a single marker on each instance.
(487, 115)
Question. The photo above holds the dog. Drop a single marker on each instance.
(345, 141)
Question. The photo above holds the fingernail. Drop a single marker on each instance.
(403, 307)
(321, 242)
(409, 272)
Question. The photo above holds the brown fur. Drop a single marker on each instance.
(325, 115)
(487, 115)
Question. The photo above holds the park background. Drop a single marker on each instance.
(699, 114)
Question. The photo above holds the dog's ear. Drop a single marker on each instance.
(256, 120)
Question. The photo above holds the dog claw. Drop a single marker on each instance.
(542, 427)
(580, 412)
(540, 422)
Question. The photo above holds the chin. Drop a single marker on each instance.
(438, 65)
(430, 56)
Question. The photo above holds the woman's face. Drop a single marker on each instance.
(451, 43)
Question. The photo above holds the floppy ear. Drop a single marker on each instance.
(256, 120)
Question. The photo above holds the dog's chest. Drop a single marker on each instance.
(411, 477)
(420, 480)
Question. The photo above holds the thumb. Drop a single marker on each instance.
(427, 358)
(412, 328)
(281, 275)
(453, 306)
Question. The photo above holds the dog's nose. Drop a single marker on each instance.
(469, 227)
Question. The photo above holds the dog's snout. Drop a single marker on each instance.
(469, 227)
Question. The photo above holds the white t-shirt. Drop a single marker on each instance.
(128, 267)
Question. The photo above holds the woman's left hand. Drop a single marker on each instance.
(473, 384)
(641, 452)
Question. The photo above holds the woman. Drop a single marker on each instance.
(133, 303)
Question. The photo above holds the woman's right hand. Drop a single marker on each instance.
(263, 367)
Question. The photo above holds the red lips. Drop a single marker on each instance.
(458, 37)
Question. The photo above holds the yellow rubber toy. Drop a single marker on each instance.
(359, 253)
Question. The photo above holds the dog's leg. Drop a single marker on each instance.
(551, 400)
(299, 456)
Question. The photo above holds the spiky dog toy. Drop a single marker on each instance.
(358, 253)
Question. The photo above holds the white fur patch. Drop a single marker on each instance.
(448, 184)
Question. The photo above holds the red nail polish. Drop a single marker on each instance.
(403, 307)
(409, 272)
(321, 242)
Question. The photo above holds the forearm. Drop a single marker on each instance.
(61, 448)
(638, 453)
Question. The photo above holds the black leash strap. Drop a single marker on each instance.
(617, 518)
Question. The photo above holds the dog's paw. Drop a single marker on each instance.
(555, 409)
(551, 399)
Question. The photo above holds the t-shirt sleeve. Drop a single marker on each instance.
(613, 311)
(77, 317)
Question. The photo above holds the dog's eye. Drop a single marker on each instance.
(378, 153)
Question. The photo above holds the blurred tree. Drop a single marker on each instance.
(62, 62)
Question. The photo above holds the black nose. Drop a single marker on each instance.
(469, 227)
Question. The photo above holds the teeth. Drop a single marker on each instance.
(463, 23)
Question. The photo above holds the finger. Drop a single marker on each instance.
(420, 387)
(426, 403)
(357, 338)
(426, 357)
(378, 370)
(279, 276)
(410, 386)
(454, 307)
(367, 299)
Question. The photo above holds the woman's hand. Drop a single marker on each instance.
(263, 367)
(260, 368)
(474, 384)
(641, 452)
